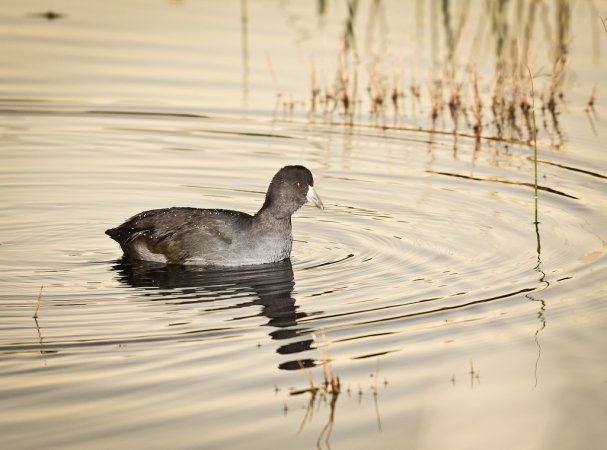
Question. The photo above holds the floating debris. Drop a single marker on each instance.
(49, 15)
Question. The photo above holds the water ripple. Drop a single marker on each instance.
(410, 241)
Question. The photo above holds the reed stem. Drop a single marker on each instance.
(35, 316)
(534, 136)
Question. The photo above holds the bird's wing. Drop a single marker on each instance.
(179, 234)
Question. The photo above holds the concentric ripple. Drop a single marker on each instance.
(401, 247)
(420, 253)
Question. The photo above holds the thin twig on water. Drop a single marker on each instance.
(35, 316)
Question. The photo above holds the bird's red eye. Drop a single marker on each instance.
(297, 184)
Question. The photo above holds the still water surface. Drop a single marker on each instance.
(450, 318)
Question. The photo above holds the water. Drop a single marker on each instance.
(450, 318)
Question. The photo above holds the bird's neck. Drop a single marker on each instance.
(273, 217)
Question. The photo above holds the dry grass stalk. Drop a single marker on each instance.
(525, 107)
(396, 94)
(592, 99)
(497, 106)
(344, 78)
(590, 111)
(510, 99)
(555, 93)
(330, 379)
(415, 95)
(377, 90)
(435, 90)
(315, 92)
(477, 108)
(331, 385)
(509, 103)
(309, 376)
(35, 316)
(455, 104)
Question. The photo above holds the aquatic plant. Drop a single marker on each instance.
(328, 392)
(534, 134)
(496, 107)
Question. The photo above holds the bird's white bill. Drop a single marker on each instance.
(313, 197)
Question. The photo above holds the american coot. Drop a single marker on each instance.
(219, 237)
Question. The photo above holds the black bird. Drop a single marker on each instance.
(220, 237)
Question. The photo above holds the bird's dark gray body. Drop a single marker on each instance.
(219, 237)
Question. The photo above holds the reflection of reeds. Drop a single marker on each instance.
(331, 384)
(555, 93)
(329, 389)
(327, 393)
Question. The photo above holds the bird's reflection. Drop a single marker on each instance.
(269, 286)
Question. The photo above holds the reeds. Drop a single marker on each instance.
(464, 100)
(458, 97)
(331, 384)
(477, 109)
(328, 391)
